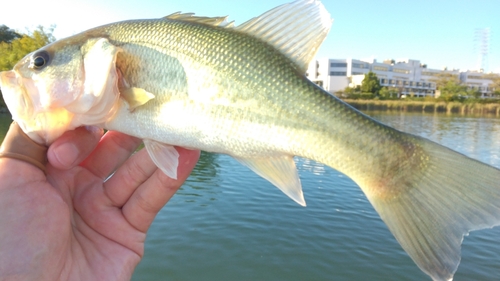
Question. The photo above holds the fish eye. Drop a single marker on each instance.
(39, 60)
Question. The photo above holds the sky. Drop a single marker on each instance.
(439, 33)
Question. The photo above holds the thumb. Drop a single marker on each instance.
(70, 149)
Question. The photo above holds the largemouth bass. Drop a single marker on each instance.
(241, 90)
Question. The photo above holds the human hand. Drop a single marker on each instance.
(72, 223)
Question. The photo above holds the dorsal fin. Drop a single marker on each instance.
(190, 17)
(297, 29)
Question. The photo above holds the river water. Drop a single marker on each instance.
(226, 223)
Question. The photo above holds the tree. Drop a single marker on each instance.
(496, 86)
(453, 90)
(495, 78)
(370, 84)
(442, 79)
(13, 46)
(12, 52)
(7, 34)
(388, 93)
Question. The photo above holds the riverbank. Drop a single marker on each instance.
(414, 106)
(426, 106)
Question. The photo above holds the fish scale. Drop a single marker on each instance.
(223, 70)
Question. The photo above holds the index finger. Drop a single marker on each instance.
(111, 152)
(148, 199)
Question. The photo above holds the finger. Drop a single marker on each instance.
(142, 207)
(113, 149)
(134, 172)
(73, 147)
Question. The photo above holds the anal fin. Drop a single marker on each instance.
(164, 156)
(280, 171)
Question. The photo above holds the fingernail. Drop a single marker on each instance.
(93, 129)
(66, 154)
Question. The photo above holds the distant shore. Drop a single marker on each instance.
(414, 106)
(426, 106)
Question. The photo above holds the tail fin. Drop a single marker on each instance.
(431, 210)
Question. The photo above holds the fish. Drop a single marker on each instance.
(205, 83)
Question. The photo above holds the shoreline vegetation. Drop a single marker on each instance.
(412, 105)
(451, 96)
(426, 106)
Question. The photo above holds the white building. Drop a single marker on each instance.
(334, 74)
(407, 76)
(480, 81)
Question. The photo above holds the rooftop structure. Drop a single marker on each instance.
(409, 77)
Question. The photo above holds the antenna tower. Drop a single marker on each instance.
(482, 44)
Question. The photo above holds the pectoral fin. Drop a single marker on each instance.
(280, 171)
(136, 97)
(164, 156)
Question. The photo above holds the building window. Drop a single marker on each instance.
(338, 64)
(358, 65)
(338, 73)
(380, 68)
(357, 73)
(400, 77)
(398, 70)
(474, 77)
(427, 73)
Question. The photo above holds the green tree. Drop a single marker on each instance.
(443, 79)
(370, 84)
(453, 90)
(496, 86)
(388, 93)
(350, 92)
(7, 34)
(13, 46)
(12, 52)
(495, 78)
(475, 93)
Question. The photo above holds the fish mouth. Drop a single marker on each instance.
(19, 103)
(9, 85)
(7, 79)
(12, 91)
(42, 125)
(15, 96)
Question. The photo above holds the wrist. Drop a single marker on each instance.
(17, 145)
